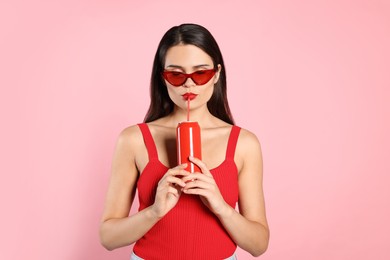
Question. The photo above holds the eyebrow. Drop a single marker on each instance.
(195, 67)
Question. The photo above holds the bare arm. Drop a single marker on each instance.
(249, 228)
(117, 228)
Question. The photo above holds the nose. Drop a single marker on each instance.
(189, 83)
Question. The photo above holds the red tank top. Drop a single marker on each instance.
(190, 230)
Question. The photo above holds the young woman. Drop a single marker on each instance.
(185, 215)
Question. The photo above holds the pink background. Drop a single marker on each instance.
(310, 78)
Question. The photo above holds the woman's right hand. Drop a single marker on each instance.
(169, 190)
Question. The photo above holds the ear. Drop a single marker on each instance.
(216, 76)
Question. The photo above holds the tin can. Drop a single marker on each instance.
(188, 143)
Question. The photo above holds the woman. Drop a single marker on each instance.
(185, 215)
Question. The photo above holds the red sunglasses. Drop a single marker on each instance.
(177, 79)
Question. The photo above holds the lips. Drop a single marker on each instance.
(189, 96)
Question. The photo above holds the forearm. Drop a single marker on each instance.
(115, 233)
(249, 235)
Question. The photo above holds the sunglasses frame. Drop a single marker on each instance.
(187, 76)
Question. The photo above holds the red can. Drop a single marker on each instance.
(188, 143)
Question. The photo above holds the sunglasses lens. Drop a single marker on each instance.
(177, 79)
(202, 76)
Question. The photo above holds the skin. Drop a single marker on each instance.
(248, 227)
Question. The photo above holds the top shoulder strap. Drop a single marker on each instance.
(149, 142)
(232, 143)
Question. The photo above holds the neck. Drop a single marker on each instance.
(201, 115)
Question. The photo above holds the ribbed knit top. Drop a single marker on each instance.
(190, 230)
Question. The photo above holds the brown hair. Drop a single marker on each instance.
(160, 103)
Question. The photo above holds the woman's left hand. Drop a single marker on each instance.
(204, 185)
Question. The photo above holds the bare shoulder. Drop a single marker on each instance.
(130, 137)
(132, 131)
(248, 142)
(248, 150)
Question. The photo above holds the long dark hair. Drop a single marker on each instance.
(160, 103)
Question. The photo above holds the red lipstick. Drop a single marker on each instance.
(189, 96)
